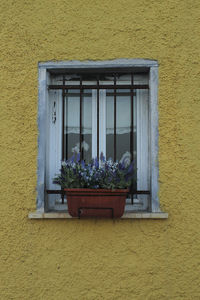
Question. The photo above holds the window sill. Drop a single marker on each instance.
(126, 215)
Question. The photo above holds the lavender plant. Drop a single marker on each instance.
(103, 174)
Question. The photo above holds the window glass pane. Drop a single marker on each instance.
(123, 79)
(72, 123)
(87, 125)
(123, 126)
(72, 79)
(106, 79)
(110, 125)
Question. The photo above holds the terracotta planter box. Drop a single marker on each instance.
(100, 203)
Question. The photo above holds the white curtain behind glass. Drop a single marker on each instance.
(123, 119)
(73, 116)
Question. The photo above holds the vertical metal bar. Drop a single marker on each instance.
(66, 138)
(98, 117)
(63, 120)
(80, 132)
(131, 133)
(115, 121)
(63, 128)
(132, 129)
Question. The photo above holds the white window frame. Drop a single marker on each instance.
(152, 66)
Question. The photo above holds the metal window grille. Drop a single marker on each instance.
(66, 87)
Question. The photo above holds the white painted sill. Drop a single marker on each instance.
(126, 215)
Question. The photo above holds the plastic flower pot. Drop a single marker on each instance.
(96, 203)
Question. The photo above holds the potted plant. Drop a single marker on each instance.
(96, 189)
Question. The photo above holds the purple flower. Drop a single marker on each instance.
(102, 157)
(130, 169)
(72, 158)
(78, 157)
(106, 166)
(96, 163)
(109, 174)
(82, 164)
(120, 166)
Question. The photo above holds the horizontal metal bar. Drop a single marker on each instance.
(107, 94)
(133, 192)
(55, 192)
(141, 192)
(101, 86)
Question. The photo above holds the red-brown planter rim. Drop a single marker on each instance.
(102, 203)
(106, 191)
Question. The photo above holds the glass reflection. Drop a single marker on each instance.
(123, 125)
(72, 124)
(87, 125)
(109, 125)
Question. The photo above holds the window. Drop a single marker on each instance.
(95, 107)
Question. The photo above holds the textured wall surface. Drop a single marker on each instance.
(98, 259)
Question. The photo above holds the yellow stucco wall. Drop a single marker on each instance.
(99, 259)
